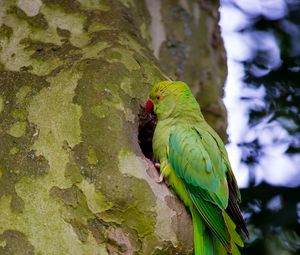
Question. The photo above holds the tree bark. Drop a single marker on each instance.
(73, 179)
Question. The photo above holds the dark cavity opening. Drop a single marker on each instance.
(147, 124)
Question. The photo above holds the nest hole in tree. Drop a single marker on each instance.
(147, 124)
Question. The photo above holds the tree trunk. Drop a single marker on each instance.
(73, 179)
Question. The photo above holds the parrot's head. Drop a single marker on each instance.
(164, 97)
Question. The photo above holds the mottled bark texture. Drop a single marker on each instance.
(73, 179)
(189, 47)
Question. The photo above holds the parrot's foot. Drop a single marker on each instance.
(161, 179)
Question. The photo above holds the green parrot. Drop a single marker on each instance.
(194, 161)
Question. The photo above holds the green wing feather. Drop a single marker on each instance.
(234, 193)
(195, 157)
(222, 150)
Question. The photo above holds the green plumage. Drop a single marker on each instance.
(195, 163)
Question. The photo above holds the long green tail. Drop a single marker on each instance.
(205, 242)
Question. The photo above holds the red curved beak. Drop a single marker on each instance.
(149, 106)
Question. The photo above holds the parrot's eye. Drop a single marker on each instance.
(157, 97)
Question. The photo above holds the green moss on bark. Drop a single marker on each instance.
(37, 21)
(14, 242)
(5, 31)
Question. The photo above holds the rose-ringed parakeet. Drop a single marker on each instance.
(194, 162)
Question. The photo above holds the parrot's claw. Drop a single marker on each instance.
(161, 179)
(157, 166)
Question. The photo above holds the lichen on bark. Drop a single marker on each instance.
(73, 179)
